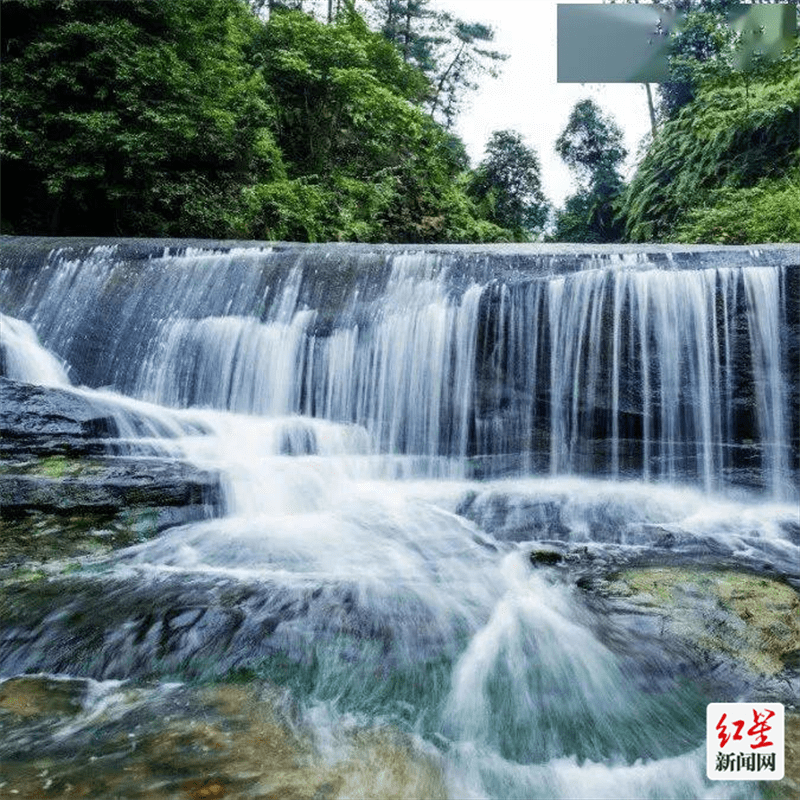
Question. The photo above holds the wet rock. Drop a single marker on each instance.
(223, 740)
(68, 486)
(792, 531)
(109, 484)
(59, 508)
(465, 504)
(789, 787)
(203, 627)
(44, 420)
(512, 518)
(545, 557)
(727, 626)
(40, 544)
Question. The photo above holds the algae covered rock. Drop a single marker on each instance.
(217, 740)
(748, 617)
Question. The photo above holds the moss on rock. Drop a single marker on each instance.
(752, 618)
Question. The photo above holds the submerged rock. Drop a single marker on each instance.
(203, 627)
(165, 741)
(733, 631)
(38, 697)
(750, 618)
(546, 557)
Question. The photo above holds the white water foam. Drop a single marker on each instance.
(24, 357)
(308, 502)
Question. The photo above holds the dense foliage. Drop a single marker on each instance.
(116, 119)
(725, 168)
(202, 118)
(702, 47)
(508, 185)
(591, 146)
(256, 119)
(363, 161)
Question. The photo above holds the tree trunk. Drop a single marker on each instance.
(440, 84)
(651, 109)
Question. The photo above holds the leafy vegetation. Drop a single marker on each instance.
(724, 164)
(766, 212)
(727, 157)
(450, 52)
(702, 48)
(253, 118)
(591, 146)
(508, 185)
(200, 118)
(130, 117)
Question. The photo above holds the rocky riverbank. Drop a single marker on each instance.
(730, 634)
(70, 486)
(193, 743)
(736, 632)
(717, 614)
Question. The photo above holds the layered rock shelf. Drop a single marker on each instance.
(68, 488)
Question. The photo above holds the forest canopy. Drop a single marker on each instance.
(202, 118)
(228, 118)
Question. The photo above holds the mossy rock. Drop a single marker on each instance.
(545, 558)
(751, 618)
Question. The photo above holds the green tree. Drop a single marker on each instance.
(450, 52)
(363, 160)
(341, 94)
(461, 57)
(591, 146)
(508, 184)
(213, 118)
(702, 47)
(705, 48)
(726, 161)
(130, 117)
(408, 25)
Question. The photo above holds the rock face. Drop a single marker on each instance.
(613, 362)
(739, 632)
(48, 421)
(62, 485)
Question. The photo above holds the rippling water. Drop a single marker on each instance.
(373, 574)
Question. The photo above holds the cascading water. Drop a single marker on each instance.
(392, 427)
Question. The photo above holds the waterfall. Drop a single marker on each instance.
(395, 429)
(23, 358)
(631, 368)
